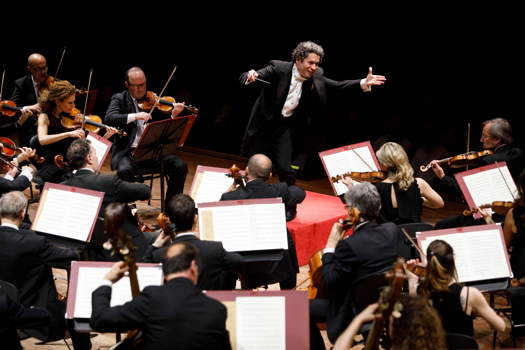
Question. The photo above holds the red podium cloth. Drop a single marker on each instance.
(315, 217)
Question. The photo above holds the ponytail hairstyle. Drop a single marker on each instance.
(441, 268)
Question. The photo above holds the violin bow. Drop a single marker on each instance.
(412, 242)
(468, 140)
(60, 62)
(505, 181)
(87, 98)
(163, 89)
(2, 85)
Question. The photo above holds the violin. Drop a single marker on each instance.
(460, 160)
(164, 104)
(93, 123)
(497, 206)
(8, 147)
(8, 108)
(370, 176)
(316, 289)
(238, 178)
(164, 223)
(418, 270)
(6, 164)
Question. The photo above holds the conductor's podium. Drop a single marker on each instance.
(315, 217)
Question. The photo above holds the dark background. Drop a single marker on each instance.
(446, 67)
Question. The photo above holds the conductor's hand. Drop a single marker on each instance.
(143, 116)
(335, 235)
(437, 169)
(372, 79)
(251, 77)
(117, 271)
(177, 108)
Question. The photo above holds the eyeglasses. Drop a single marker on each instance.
(39, 69)
(137, 85)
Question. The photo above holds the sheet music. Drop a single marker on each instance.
(261, 323)
(211, 187)
(89, 279)
(100, 147)
(346, 161)
(479, 255)
(67, 214)
(488, 186)
(247, 227)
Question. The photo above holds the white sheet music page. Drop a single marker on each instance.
(247, 227)
(347, 161)
(479, 255)
(101, 148)
(89, 279)
(260, 323)
(212, 185)
(67, 214)
(488, 186)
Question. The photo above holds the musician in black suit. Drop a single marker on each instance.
(371, 249)
(258, 171)
(82, 157)
(123, 112)
(214, 260)
(496, 136)
(25, 95)
(292, 106)
(26, 260)
(176, 315)
(14, 315)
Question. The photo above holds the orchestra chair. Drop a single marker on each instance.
(456, 341)
(405, 248)
(514, 313)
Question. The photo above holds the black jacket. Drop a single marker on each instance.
(214, 260)
(176, 315)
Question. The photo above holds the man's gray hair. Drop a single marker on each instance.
(500, 128)
(366, 198)
(12, 204)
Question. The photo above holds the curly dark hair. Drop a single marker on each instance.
(419, 327)
(303, 49)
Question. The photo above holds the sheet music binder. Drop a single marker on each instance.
(296, 313)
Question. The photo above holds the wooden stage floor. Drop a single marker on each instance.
(194, 157)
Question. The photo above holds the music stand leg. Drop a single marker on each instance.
(162, 206)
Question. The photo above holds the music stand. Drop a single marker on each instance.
(163, 138)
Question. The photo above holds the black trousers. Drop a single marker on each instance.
(175, 170)
(278, 140)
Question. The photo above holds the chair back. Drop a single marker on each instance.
(456, 341)
(405, 248)
(367, 290)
